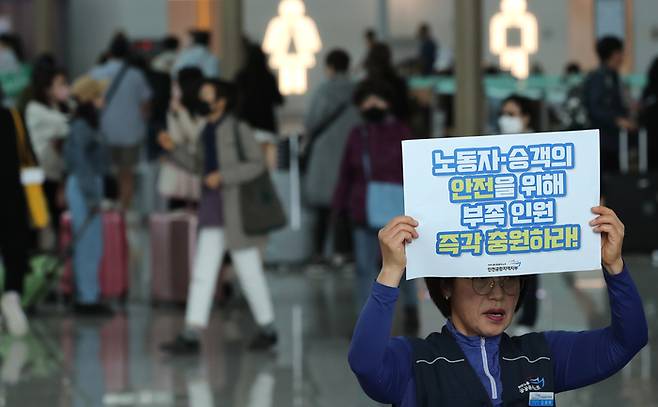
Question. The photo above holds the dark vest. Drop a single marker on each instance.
(525, 366)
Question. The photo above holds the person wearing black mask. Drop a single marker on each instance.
(227, 156)
(380, 138)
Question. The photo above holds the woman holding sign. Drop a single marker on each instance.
(472, 362)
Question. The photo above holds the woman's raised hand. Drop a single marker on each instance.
(393, 238)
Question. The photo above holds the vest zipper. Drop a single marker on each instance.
(485, 363)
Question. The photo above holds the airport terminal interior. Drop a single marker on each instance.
(190, 191)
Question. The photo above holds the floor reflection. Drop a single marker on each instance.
(69, 361)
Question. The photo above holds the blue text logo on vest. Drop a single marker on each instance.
(532, 385)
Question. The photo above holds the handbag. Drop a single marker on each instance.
(384, 200)
(260, 207)
(32, 177)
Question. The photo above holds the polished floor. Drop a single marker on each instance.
(68, 361)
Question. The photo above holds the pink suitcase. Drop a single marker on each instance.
(113, 274)
(173, 246)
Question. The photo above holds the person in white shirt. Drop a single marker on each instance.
(48, 126)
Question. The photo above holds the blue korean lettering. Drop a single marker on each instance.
(550, 184)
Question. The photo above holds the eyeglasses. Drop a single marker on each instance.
(485, 285)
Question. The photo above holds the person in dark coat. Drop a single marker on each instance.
(258, 91)
(604, 101)
(15, 231)
(379, 67)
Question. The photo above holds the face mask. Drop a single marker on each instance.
(510, 124)
(204, 108)
(374, 114)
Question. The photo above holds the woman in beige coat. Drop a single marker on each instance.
(220, 223)
(179, 186)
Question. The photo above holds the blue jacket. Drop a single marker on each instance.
(383, 365)
(86, 159)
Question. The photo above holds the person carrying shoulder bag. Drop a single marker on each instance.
(234, 190)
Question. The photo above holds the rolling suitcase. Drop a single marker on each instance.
(633, 195)
(173, 246)
(113, 272)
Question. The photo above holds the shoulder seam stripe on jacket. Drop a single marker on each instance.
(526, 358)
(440, 357)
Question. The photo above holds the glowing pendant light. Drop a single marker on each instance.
(513, 14)
(292, 40)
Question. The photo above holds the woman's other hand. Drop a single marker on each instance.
(612, 238)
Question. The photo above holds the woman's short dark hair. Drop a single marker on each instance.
(189, 80)
(607, 46)
(437, 286)
(223, 90)
(524, 104)
(370, 87)
(527, 107)
(338, 60)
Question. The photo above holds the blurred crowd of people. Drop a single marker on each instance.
(212, 137)
(87, 136)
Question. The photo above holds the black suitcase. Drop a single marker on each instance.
(635, 200)
(634, 197)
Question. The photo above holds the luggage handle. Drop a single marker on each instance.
(643, 154)
(295, 184)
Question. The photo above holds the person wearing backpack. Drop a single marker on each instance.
(328, 121)
(373, 154)
(123, 119)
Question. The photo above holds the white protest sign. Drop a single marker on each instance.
(502, 205)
